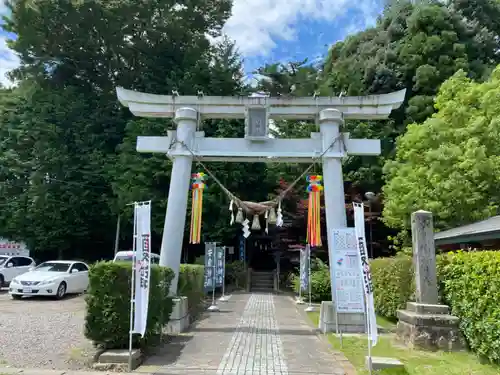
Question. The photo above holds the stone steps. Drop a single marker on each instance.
(262, 281)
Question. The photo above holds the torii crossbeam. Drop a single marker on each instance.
(180, 144)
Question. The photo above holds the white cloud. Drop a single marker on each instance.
(257, 25)
(8, 61)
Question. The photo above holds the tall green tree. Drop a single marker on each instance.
(62, 179)
(417, 46)
(449, 164)
(54, 192)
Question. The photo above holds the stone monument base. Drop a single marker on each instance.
(348, 322)
(429, 327)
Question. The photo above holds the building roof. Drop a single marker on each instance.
(488, 229)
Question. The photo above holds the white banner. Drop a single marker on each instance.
(359, 226)
(142, 266)
(305, 258)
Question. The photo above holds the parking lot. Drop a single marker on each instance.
(43, 333)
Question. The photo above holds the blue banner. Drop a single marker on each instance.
(242, 248)
(305, 257)
(220, 266)
(209, 283)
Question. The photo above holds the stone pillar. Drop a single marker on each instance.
(333, 180)
(426, 324)
(175, 216)
(424, 258)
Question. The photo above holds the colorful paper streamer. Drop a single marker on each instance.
(314, 210)
(197, 187)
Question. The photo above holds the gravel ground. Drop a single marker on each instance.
(43, 333)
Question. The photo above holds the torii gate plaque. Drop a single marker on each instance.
(257, 146)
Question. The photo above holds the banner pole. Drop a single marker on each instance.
(310, 308)
(213, 306)
(224, 298)
(132, 288)
(368, 336)
(300, 300)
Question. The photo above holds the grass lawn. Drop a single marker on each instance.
(416, 362)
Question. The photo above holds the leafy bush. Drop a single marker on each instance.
(107, 322)
(236, 274)
(471, 286)
(393, 282)
(191, 285)
(320, 282)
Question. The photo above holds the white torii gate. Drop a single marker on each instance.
(257, 146)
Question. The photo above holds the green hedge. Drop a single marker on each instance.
(190, 285)
(107, 322)
(470, 283)
(393, 282)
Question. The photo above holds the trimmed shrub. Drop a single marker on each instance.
(107, 322)
(191, 277)
(236, 274)
(470, 284)
(393, 283)
(320, 282)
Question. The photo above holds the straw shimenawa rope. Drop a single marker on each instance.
(257, 208)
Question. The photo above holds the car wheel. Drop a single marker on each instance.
(2, 281)
(61, 290)
(16, 296)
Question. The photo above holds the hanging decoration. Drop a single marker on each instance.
(231, 212)
(272, 216)
(266, 216)
(279, 216)
(256, 222)
(313, 215)
(239, 216)
(197, 187)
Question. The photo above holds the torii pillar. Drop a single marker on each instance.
(257, 146)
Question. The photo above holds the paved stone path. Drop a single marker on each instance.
(252, 334)
(256, 345)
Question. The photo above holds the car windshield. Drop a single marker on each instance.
(53, 267)
(123, 258)
(3, 259)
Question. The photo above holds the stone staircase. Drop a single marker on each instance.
(262, 281)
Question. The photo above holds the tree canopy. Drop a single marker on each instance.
(450, 164)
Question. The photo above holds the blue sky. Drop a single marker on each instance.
(274, 30)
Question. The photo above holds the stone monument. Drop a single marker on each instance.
(427, 324)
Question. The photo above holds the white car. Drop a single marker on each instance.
(12, 266)
(55, 279)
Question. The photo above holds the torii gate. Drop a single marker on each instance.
(257, 146)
